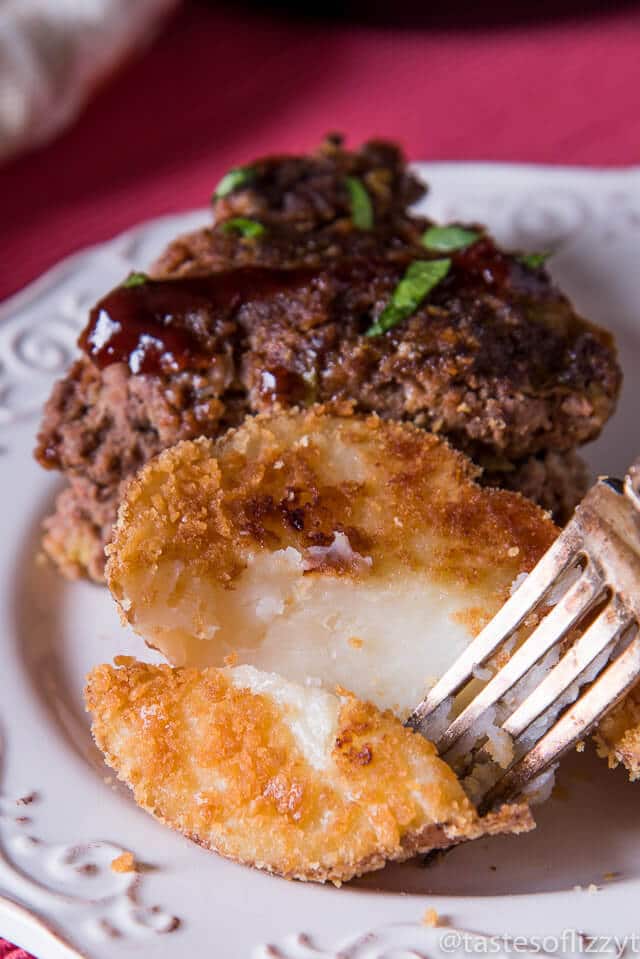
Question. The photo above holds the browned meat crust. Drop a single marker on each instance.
(305, 205)
(496, 359)
(99, 427)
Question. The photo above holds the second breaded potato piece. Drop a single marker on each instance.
(297, 781)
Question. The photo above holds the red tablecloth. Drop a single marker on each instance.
(221, 85)
(7, 951)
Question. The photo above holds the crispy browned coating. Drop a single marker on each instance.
(222, 765)
(272, 483)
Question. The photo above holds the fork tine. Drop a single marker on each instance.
(610, 687)
(547, 634)
(604, 632)
(553, 564)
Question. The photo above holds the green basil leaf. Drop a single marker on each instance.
(361, 206)
(244, 226)
(236, 177)
(135, 279)
(533, 260)
(446, 239)
(415, 285)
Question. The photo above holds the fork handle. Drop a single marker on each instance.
(632, 483)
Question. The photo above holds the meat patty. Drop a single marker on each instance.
(241, 319)
(306, 209)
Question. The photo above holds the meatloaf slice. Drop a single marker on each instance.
(238, 321)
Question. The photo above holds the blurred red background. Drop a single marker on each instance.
(223, 83)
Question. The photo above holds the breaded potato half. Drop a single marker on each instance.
(295, 780)
(334, 550)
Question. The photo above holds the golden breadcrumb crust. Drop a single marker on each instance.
(403, 497)
(618, 735)
(221, 765)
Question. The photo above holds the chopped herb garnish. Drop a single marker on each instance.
(418, 281)
(135, 279)
(361, 206)
(244, 226)
(533, 260)
(232, 180)
(446, 239)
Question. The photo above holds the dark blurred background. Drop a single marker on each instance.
(463, 15)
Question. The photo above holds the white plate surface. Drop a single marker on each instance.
(58, 896)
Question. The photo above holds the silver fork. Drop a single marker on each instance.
(586, 588)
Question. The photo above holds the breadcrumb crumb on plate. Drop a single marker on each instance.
(124, 863)
(431, 918)
(294, 780)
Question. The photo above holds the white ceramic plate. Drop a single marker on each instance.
(58, 895)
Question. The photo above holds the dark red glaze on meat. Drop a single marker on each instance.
(163, 326)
